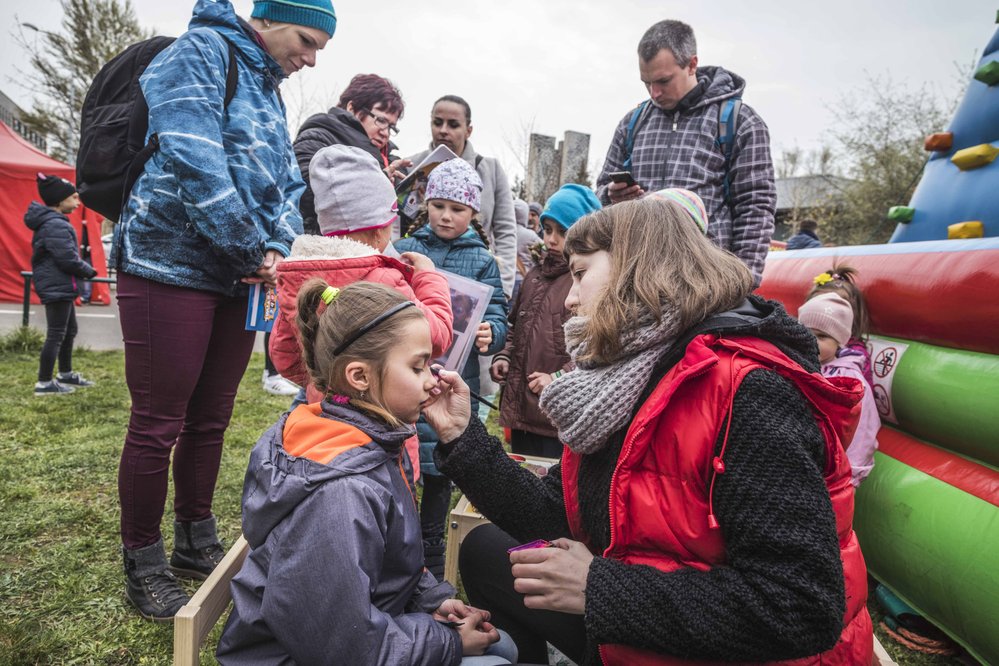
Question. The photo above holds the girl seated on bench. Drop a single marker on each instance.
(335, 572)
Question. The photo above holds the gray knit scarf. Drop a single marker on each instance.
(590, 403)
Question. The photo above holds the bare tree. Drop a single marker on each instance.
(64, 63)
(880, 131)
(518, 149)
(304, 98)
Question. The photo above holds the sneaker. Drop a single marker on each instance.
(196, 549)
(278, 385)
(52, 387)
(150, 586)
(74, 379)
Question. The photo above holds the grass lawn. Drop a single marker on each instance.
(61, 583)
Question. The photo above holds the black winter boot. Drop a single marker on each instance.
(196, 549)
(150, 586)
(433, 557)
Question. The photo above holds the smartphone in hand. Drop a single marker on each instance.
(622, 177)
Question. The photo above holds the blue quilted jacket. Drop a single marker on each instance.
(224, 186)
(467, 256)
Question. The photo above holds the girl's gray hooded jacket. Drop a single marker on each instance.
(335, 571)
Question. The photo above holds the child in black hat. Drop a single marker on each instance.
(56, 264)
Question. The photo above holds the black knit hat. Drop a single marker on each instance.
(54, 189)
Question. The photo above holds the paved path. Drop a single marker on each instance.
(98, 324)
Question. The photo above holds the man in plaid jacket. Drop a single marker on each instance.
(675, 144)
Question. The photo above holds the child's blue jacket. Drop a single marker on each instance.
(467, 256)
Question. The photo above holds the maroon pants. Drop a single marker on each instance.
(185, 353)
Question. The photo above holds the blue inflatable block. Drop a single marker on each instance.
(945, 194)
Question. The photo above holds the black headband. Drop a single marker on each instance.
(370, 325)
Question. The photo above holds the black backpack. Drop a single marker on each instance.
(113, 125)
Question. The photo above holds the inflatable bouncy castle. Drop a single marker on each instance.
(928, 514)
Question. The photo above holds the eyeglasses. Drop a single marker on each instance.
(382, 121)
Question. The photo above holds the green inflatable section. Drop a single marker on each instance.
(937, 548)
(949, 397)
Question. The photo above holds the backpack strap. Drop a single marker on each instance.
(138, 163)
(231, 76)
(629, 142)
(728, 123)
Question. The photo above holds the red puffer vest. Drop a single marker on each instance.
(667, 461)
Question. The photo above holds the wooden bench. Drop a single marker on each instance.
(195, 621)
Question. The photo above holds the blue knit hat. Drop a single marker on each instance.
(570, 203)
(317, 14)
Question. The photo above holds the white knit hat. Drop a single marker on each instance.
(352, 192)
(829, 313)
(455, 180)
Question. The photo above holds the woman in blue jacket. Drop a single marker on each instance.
(215, 208)
(56, 265)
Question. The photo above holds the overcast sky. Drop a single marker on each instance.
(557, 65)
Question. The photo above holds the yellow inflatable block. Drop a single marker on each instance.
(974, 157)
(966, 230)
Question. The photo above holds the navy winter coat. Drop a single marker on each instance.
(55, 255)
(803, 240)
(467, 256)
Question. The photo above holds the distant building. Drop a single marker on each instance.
(10, 113)
(802, 197)
(549, 168)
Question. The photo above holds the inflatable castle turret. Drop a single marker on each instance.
(928, 515)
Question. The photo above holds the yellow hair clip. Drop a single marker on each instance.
(329, 295)
(822, 279)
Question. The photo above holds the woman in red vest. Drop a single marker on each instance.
(702, 510)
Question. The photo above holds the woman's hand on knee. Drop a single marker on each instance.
(553, 578)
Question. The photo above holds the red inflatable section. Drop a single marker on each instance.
(969, 476)
(939, 292)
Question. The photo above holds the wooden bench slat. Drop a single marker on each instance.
(195, 620)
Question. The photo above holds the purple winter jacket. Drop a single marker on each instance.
(865, 441)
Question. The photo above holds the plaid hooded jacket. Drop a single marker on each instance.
(679, 148)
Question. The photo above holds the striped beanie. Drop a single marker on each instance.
(689, 201)
(317, 14)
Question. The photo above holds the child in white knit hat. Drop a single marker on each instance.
(830, 317)
(448, 231)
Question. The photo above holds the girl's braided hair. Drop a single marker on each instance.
(423, 218)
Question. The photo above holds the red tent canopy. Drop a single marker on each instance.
(20, 162)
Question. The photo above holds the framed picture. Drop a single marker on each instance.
(469, 300)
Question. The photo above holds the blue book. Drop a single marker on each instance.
(262, 308)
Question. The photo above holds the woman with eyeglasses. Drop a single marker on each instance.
(365, 117)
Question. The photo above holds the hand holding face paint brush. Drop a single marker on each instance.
(448, 409)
